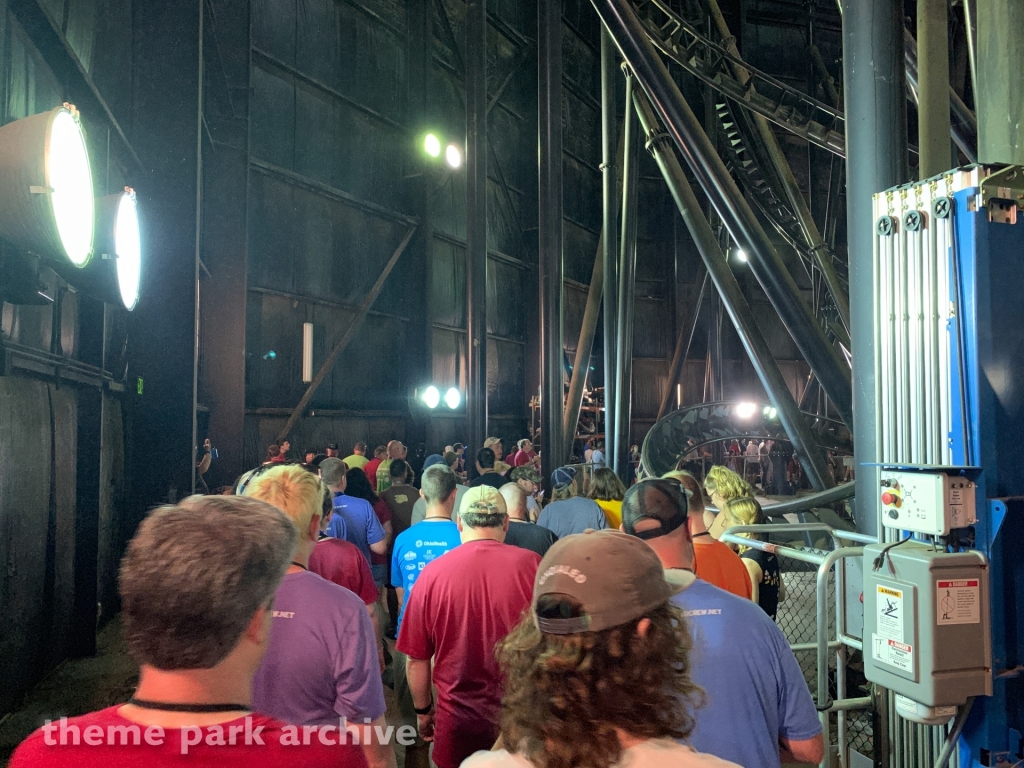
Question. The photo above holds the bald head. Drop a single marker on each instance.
(515, 500)
(396, 450)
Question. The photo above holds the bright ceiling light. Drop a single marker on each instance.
(431, 397)
(46, 192)
(452, 398)
(453, 156)
(741, 255)
(432, 145)
(746, 410)
(128, 248)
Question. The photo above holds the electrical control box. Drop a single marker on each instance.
(926, 502)
(927, 629)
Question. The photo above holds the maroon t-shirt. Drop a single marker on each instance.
(465, 602)
(523, 458)
(383, 512)
(105, 739)
(341, 562)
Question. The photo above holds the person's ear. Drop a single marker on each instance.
(622, 527)
(504, 527)
(421, 495)
(643, 627)
(258, 629)
(458, 522)
(314, 528)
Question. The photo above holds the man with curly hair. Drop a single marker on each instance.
(758, 710)
(598, 674)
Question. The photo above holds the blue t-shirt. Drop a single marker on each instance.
(756, 693)
(573, 515)
(354, 520)
(417, 546)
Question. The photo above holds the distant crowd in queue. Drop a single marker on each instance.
(603, 629)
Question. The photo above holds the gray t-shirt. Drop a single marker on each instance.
(419, 509)
(573, 515)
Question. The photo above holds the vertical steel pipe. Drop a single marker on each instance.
(799, 431)
(933, 124)
(876, 151)
(682, 350)
(549, 226)
(584, 348)
(999, 97)
(627, 283)
(609, 200)
(476, 222)
(693, 143)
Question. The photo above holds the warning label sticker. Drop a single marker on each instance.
(893, 653)
(958, 601)
(889, 608)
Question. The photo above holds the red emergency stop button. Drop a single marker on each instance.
(888, 498)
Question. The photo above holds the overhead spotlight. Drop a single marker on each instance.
(432, 145)
(46, 192)
(746, 410)
(741, 255)
(431, 397)
(453, 156)
(773, 413)
(452, 398)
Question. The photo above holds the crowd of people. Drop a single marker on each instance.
(589, 625)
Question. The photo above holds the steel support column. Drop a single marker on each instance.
(876, 145)
(476, 222)
(796, 426)
(627, 285)
(609, 174)
(693, 143)
(933, 122)
(682, 350)
(1000, 57)
(549, 226)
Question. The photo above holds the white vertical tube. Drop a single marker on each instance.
(307, 353)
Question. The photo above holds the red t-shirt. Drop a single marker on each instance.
(483, 584)
(523, 458)
(341, 562)
(383, 512)
(106, 739)
(370, 470)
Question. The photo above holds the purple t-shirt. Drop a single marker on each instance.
(322, 661)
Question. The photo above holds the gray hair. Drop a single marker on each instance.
(437, 484)
(195, 574)
(481, 514)
(515, 498)
(333, 471)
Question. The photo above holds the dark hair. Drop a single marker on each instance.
(358, 485)
(272, 451)
(196, 573)
(566, 694)
(360, 447)
(606, 486)
(451, 458)
(485, 458)
(380, 450)
(398, 468)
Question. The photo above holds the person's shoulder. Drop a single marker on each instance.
(332, 595)
(330, 546)
(665, 752)
(500, 758)
(34, 751)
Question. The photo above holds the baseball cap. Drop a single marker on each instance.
(490, 442)
(562, 477)
(333, 446)
(616, 579)
(432, 459)
(524, 473)
(485, 497)
(661, 499)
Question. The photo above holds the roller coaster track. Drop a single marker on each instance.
(709, 62)
(689, 429)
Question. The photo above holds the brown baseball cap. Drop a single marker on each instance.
(660, 499)
(616, 578)
(483, 498)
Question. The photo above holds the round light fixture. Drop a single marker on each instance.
(128, 248)
(741, 255)
(453, 156)
(452, 398)
(746, 410)
(46, 192)
(432, 145)
(431, 397)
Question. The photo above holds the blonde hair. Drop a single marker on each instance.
(295, 491)
(726, 483)
(744, 511)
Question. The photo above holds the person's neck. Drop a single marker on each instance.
(518, 517)
(695, 522)
(335, 490)
(301, 560)
(679, 556)
(437, 512)
(223, 684)
(482, 534)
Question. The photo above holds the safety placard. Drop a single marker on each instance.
(892, 652)
(889, 606)
(957, 601)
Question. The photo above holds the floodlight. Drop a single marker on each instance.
(432, 145)
(46, 193)
(746, 410)
(741, 255)
(431, 397)
(773, 413)
(452, 398)
(453, 156)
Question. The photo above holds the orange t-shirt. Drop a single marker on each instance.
(717, 564)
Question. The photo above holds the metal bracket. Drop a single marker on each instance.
(1002, 194)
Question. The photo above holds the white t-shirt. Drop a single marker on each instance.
(653, 753)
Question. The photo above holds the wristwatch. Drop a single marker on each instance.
(424, 710)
